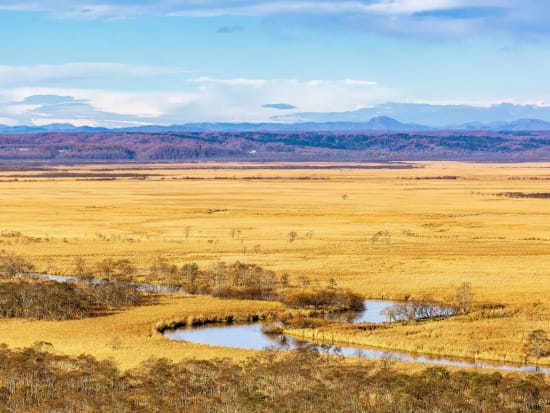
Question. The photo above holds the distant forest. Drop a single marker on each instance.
(68, 147)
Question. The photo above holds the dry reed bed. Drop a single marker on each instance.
(435, 233)
(382, 233)
(494, 340)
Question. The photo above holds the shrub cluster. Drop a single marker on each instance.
(63, 301)
(12, 265)
(237, 280)
(325, 299)
(297, 381)
(251, 281)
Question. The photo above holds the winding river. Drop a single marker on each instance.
(250, 336)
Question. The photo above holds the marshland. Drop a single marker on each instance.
(263, 242)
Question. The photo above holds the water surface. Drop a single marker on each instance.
(250, 336)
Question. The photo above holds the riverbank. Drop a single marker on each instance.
(129, 337)
(478, 335)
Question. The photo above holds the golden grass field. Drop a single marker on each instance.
(387, 233)
(129, 337)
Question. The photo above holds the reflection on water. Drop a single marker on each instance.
(380, 311)
(373, 313)
(250, 336)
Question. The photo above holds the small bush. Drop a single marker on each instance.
(325, 299)
(12, 265)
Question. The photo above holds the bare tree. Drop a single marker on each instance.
(292, 235)
(537, 345)
(380, 236)
(235, 233)
(12, 265)
(163, 271)
(105, 268)
(284, 280)
(463, 298)
(82, 269)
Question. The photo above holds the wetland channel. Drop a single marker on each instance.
(251, 336)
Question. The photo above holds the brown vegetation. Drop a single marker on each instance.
(238, 280)
(537, 345)
(253, 282)
(536, 195)
(325, 299)
(300, 381)
(13, 264)
(64, 301)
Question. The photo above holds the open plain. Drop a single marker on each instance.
(397, 230)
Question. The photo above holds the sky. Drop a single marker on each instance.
(123, 63)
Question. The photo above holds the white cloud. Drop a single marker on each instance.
(308, 95)
(138, 104)
(355, 82)
(230, 82)
(8, 121)
(416, 6)
(22, 75)
(205, 99)
(73, 121)
(222, 101)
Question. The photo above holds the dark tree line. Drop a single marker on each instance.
(272, 146)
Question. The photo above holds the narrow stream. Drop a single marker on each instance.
(250, 336)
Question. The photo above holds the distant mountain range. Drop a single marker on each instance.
(378, 123)
(437, 116)
(515, 126)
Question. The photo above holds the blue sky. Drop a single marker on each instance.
(118, 62)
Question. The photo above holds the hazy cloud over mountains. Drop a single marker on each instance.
(430, 114)
(200, 99)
